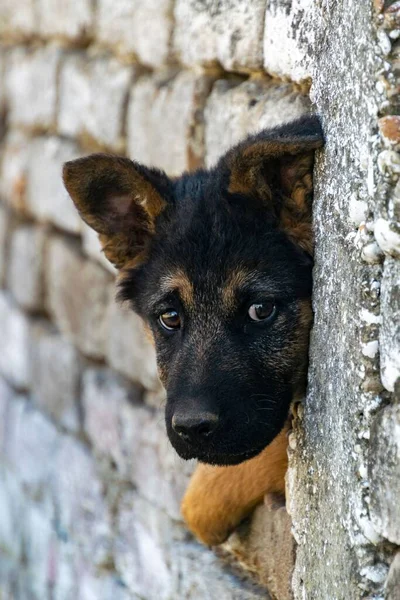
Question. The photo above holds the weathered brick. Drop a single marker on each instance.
(170, 474)
(26, 266)
(47, 198)
(92, 247)
(389, 333)
(39, 549)
(95, 587)
(384, 473)
(19, 23)
(55, 375)
(93, 96)
(107, 403)
(136, 27)
(285, 51)
(31, 86)
(3, 101)
(11, 515)
(234, 111)
(266, 548)
(78, 297)
(200, 574)
(3, 243)
(166, 122)
(31, 440)
(6, 395)
(65, 19)
(82, 513)
(76, 578)
(145, 535)
(228, 32)
(128, 349)
(5, 231)
(14, 340)
(134, 438)
(13, 171)
(392, 587)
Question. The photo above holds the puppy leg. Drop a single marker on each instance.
(218, 498)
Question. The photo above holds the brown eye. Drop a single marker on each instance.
(170, 320)
(262, 311)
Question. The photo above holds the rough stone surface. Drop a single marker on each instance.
(150, 543)
(146, 536)
(14, 336)
(136, 27)
(81, 508)
(128, 348)
(12, 506)
(384, 473)
(392, 588)
(38, 536)
(17, 24)
(55, 374)
(192, 561)
(13, 171)
(288, 31)
(65, 19)
(267, 549)
(78, 296)
(25, 277)
(234, 111)
(228, 32)
(47, 198)
(133, 437)
(328, 477)
(31, 439)
(31, 88)
(165, 121)
(389, 334)
(93, 97)
(106, 399)
(5, 227)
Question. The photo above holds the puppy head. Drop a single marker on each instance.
(218, 263)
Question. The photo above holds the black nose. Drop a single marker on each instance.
(194, 427)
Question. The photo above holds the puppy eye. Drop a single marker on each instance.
(170, 320)
(263, 311)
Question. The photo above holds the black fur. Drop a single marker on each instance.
(221, 361)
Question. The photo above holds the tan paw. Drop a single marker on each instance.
(206, 522)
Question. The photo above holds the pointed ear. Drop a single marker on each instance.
(119, 199)
(275, 167)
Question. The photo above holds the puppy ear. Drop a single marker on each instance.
(275, 167)
(119, 199)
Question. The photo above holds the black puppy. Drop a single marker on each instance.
(218, 264)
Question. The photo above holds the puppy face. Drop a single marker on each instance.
(218, 264)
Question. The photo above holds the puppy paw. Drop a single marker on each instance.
(206, 521)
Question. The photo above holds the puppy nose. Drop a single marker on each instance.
(192, 427)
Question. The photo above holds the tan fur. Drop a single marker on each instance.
(180, 282)
(219, 498)
(237, 279)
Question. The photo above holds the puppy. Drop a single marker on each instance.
(218, 263)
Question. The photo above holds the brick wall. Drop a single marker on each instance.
(90, 487)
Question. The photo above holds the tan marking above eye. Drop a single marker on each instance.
(237, 279)
(179, 281)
